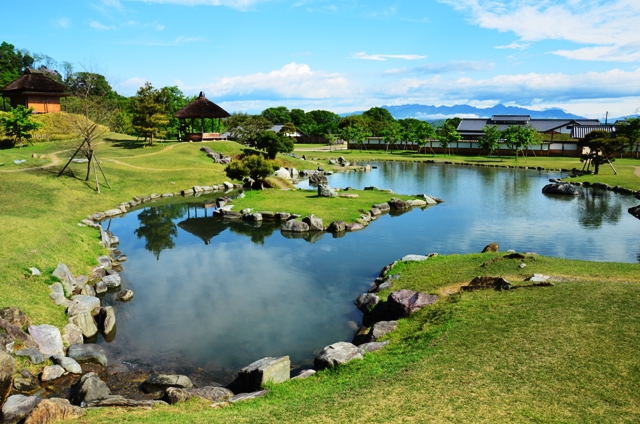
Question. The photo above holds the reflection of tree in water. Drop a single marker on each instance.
(638, 257)
(257, 231)
(597, 207)
(157, 227)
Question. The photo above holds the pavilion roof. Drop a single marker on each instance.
(34, 81)
(202, 108)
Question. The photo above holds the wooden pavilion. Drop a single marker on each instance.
(34, 89)
(200, 109)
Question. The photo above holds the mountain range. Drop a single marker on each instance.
(436, 113)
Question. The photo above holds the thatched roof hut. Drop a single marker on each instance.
(35, 90)
(201, 109)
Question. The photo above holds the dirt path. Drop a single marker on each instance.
(55, 160)
(636, 172)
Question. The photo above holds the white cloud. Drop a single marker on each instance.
(292, 81)
(514, 45)
(63, 22)
(100, 27)
(130, 86)
(612, 24)
(454, 66)
(384, 57)
(235, 4)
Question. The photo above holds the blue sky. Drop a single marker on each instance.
(346, 55)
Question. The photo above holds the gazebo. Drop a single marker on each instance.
(35, 90)
(201, 108)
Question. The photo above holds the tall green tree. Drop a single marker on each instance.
(277, 115)
(19, 125)
(12, 63)
(245, 128)
(274, 143)
(149, 115)
(520, 137)
(378, 114)
(392, 132)
(448, 133)
(490, 139)
(630, 129)
(354, 129)
(172, 99)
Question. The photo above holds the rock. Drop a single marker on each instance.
(125, 295)
(635, 211)
(227, 186)
(52, 372)
(25, 383)
(114, 401)
(366, 301)
(354, 226)
(348, 196)
(54, 409)
(283, 173)
(81, 304)
(88, 290)
(295, 226)
(88, 389)
(317, 178)
(382, 328)
(265, 370)
(283, 216)
(383, 207)
(97, 273)
(210, 393)
(304, 374)
(492, 247)
(104, 261)
(112, 212)
(337, 227)
(417, 203)
(69, 364)
(414, 258)
(35, 356)
(375, 212)
(252, 217)
(248, 396)
(487, 282)
(336, 354)
(403, 303)
(6, 343)
(100, 287)
(160, 382)
(86, 323)
(314, 223)
(398, 204)
(106, 320)
(538, 278)
(87, 353)
(48, 339)
(112, 281)
(15, 316)
(6, 372)
(371, 188)
(562, 188)
(18, 407)
(326, 191)
(371, 347)
(15, 331)
(66, 278)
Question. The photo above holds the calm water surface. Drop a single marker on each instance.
(212, 297)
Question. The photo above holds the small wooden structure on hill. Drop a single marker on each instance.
(201, 108)
(35, 90)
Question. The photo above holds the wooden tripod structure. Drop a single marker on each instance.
(91, 156)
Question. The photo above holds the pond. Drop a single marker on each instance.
(213, 296)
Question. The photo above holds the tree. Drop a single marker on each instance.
(173, 100)
(378, 114)
(253, 166)
(274, 143)
(354, 129)
(245, 128)
(490, 139)
(519, 138)
(448, 133)
(149, 118)
(12, 63)
(277, 115)
(321, 122)
(392, 132)
(90, 83)
(416, 131)
(18, 124)
(630, 128)
(602, 148)
(288, 129)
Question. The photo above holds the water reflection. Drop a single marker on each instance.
(599, 206)
(157, 227)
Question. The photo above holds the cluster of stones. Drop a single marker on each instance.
(340, 161)
(217, 157)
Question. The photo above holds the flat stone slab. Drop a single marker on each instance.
(159, 382)
(18, 407)
(410, 258)
(336, 354)
(54, 409)
(52, 372)
(248, 396)
(381, 329)
(210, 393)
(371, 347)
(35, 356)
(69, 364)
(403, 303)
(115, 401)
(88, 353)
(304, 374)
(265, 370)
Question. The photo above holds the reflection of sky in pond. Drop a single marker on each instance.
(252, 293)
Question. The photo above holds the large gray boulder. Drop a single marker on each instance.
(35, 356)
(265, 370)
(72, 334)
(48, 339)
(561, 188)
(317, 178)
(18, 407)
(88, 389)
(160, 382)
(69, 364)
(337, 227)
(82, 303)
(326, 191)
(112, 280)
(88, 353)
(107, 320)
(51, 372)
(175, 395)
(54, 409)
(6, 372)
(314, 223)
(283, 173)
(295, 226)
(336, 354)
(86, 323)
(366, 301)
(635, 211)
(403, 303)
(398, 204)
(66, 277)
(381, 329)
(383, 207)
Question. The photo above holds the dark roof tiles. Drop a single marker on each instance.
(202, 108)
